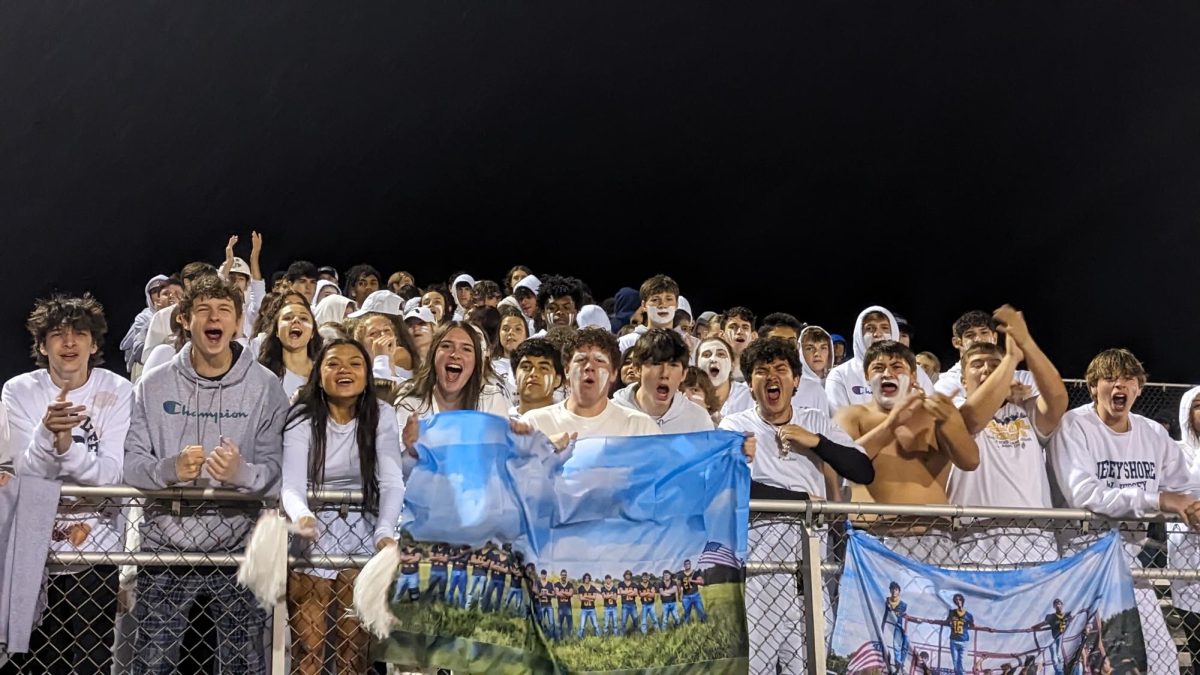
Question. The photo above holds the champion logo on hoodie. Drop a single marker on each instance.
(860, 390)
(177, 408)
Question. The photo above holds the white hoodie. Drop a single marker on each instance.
(1117, 474)
(97, 452)
(682, 417)
(810, 392)
(135, 337)
(460, 313)
(1183, 549)
(847, 384)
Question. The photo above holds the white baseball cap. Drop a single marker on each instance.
(239, 266)
(419, 313)
(412, 303)
(382, 302)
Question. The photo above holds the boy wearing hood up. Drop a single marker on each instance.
(161, 326)
(661, 358)
(1119, 464)
(659, 297)
(212, 417)
(973, 327)
(847, 383)
(804, 455)
(68, 421)
(135, 337)
(463, 288)
(1183, 549)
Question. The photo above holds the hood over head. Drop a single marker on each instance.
(321, 285)
(625, 303)
(860, 346)
(807, 372)
(1186, 435)
(332, 308)
(155, 281)
(461, 279)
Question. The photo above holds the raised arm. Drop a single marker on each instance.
(951, 432)
(1053, 401)
(983, 403)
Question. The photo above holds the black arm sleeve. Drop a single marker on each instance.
(848, 462)
(763, 491)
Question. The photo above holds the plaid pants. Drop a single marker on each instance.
(164, 597)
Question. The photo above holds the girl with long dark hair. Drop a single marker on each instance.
(338, 436)
(290, 349)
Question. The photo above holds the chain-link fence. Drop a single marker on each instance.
(782, 613)
(1158, 401)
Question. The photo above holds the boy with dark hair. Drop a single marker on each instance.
(328, 273)
(212, 417)
(905, 332)
(161, 326)
(563, 592)
(804, 455)
(302, 278)
(661, 357)
(591, 356)
(67, 421)
(737, 327)
(558, 300)
(659, 296)
(537, 368)
(1011, 439)
(1116, 463)
(973, 327)
(912, 440)
(780, 324)
(361, 281)
(847, 384)
(487, 293)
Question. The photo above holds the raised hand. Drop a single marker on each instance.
(409, 435)
(1018, 392)
(233, 240)
(255, 244)
(1011, 322)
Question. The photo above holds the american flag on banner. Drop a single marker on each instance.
(719, 554)
(866, 657)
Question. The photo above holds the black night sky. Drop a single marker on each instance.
(810, 156)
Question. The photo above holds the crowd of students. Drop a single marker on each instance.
(319, 382)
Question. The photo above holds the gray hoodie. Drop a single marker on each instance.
(135, 338)
(173, 407)
(682, 417)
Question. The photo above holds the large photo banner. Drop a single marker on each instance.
(624, 554)
(1073, 616)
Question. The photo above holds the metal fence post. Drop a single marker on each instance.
(814, 610)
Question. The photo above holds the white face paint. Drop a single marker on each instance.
(888, 401)
(661, 317)
(715, 361)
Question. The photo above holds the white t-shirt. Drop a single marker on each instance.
(292, 382)
(738, 401)
(615, 420)
(1117, 474)
(811, 394)
(799, 471)
(1012, 463)
(159, 355)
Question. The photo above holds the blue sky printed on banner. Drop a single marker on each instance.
(1093, 582)
(574, 511)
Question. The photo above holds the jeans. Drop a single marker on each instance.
(494, 592)
(546, 619)
(410, 583)
(957, 648)
(693, 601)
(610, 620)
(648, 612)
(899, 646)
(437, 584)
(565, 616)
(478, 586)
(515, 594)
(628, 613)
(585, 616)
(669, 613)
(458, 582)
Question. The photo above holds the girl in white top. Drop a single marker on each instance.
(513, 331)
(452, 378)
(338, 437)
(291, 349)
(394, 353)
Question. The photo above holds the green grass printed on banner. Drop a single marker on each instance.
(721, 637)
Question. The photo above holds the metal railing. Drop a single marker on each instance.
(795, 547)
